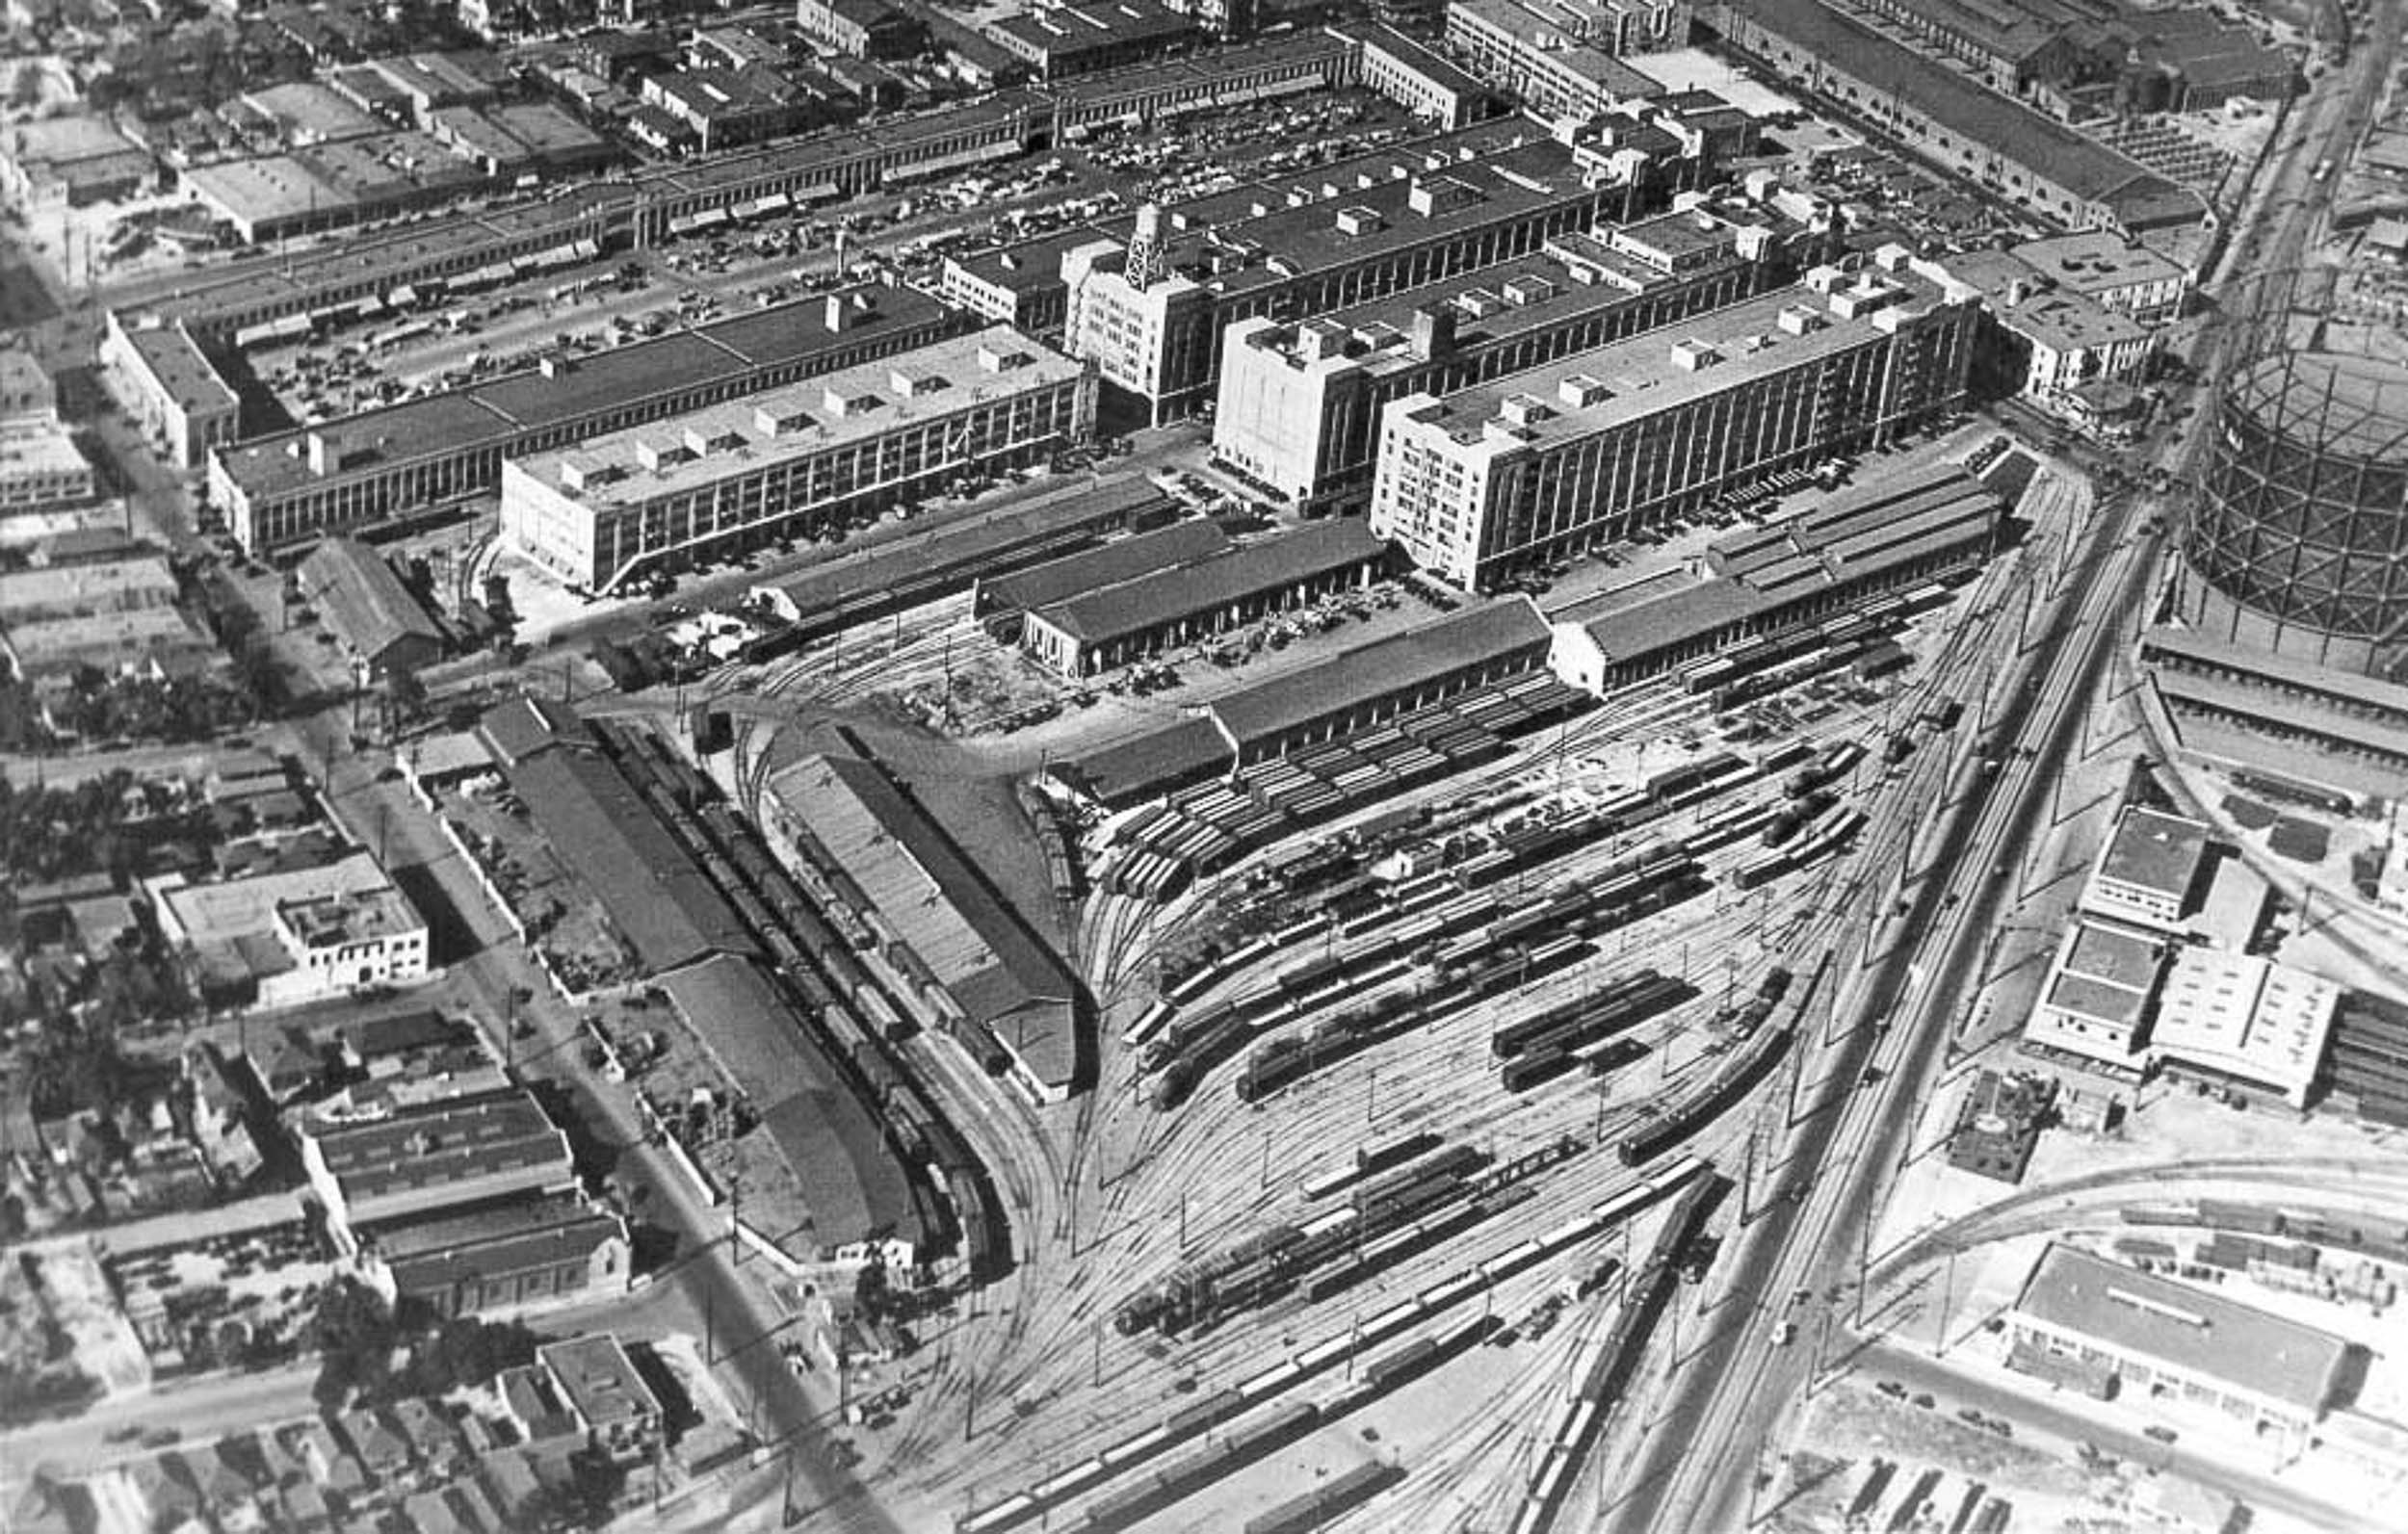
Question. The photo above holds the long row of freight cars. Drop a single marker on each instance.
(1392, 1217)
(1203, 1416)
(1643, 1301)
(1472, 948)
(860, 1028)
(1582, 1031)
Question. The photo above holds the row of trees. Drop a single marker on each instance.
(176, 709)
(100, 824)
(373, 1352)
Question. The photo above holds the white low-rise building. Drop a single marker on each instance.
(2095, 1003)
(2259, 1023)
(2149, 871)
(297, 935)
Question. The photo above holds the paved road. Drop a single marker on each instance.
(2037, 1417)
(1701, 1460)
(484, 951)
(1721, 1413)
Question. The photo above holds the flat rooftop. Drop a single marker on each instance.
(2195, 1330)
(2104, 972)
(2155, 851)
(1492, 306)
(2096, 261)
(175, 360)
(1556, 37)
(237, 908)
(141, 581)
(1416, 55)
(2029, 301)
(2245, 1012)
(1368, 216)
(434, 1143)
(1068, 29)
(497, 413)
(1641, 376)
(750, 433)
(1978, 114)
(600, 1380)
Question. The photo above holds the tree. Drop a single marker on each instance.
(407, 693)
(870, 1293)
(355, 1333)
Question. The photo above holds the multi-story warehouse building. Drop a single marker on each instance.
(807, 458)
(1149, 311)
(1563, 57)
(1066, 39)
(41, 466)
(1288, 64)
(860, 29)
(283, 490)
(2112, 273)
(2064, 352)
(1299, 404)
(168, 388)
(1415, 77)
(1533, 466)
(1958, 123)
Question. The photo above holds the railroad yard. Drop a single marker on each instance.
(1459, 1086)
